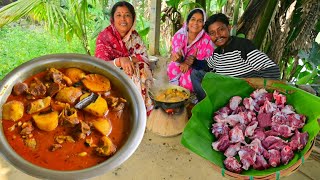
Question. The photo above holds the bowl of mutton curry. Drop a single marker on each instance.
(69, 116)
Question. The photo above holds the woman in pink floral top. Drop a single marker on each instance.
(190, 46)
(120, 44)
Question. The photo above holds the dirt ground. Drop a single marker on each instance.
(164, 158)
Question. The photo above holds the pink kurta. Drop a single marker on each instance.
(202, 44)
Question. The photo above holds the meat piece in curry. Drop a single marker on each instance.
(20, 88)
(38, 105)
(42, 124)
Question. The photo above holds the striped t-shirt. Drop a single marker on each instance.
(241, 59)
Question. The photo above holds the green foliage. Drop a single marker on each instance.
(314, 56)
(69, 17)
(173, 3)
(245, 3)
(318, 26)
(21, 44)
(101, 19)
(241, 35)
(312, 61)
(296, 22)
(143, 28)
(220, 4)
(186, 6)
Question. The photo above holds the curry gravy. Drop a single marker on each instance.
(67, 157)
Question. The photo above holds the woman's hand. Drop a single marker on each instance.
(176, 56)
(127, 65)
(184, 67)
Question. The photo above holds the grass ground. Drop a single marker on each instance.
(20, 44)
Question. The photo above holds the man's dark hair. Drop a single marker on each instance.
(192, 13)
(121, 4)
(220, 17)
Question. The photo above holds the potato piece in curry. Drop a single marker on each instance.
(98, 108)
(96, 83)
(75, 74)
(46, 122)
(68, 95)
(102, 125)
(13, 110)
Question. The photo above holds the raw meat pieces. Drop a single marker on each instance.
(286, 154)
(233, 165)
(222, 144)
(262, 130)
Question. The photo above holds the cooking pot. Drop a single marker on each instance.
(168, 105)
(91, 64)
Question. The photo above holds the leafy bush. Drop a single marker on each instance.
(20, 44)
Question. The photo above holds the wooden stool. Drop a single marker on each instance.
(167, 125)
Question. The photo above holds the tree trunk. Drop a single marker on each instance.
(235, 18)
(264, 23)
(249, 20)
(279, 32)
(311, 11)
(229, 8)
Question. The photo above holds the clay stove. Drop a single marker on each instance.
(167, 122)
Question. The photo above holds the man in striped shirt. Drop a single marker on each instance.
(233, 56)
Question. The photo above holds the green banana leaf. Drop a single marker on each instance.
(197, 135)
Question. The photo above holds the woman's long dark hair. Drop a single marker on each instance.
(121, 4)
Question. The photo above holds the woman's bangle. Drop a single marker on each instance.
(130, 58)
(114, 62)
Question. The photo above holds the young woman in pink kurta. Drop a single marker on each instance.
(190, 46)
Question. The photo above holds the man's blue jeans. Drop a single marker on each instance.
(196, 79)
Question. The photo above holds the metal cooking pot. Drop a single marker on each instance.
(94, 65)
(168, 105)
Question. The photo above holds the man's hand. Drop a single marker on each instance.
(184, 67)
(189, 60)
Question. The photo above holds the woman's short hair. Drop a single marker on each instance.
(121, 4)
(220, 17)
(192, 13)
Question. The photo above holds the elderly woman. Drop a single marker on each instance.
(120, 44)
(190, 46)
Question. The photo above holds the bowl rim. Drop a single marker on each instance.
(127, 149)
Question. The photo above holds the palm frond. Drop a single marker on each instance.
(16, 10)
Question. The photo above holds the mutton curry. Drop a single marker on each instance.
(65, 119)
